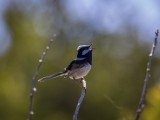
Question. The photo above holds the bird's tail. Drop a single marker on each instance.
(52, 76)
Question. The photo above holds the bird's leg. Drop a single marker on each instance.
(83, 82)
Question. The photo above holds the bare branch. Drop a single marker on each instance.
(80, 99)
(148, 74)
(33, 88)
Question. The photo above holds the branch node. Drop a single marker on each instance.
(47, 47)
(34, 89)
(150, 55)
(40, 60)
(148, 70)
(44, 53)
(31, 113)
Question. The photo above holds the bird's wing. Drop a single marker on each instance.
(75, 64)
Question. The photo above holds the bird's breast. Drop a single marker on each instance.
(80, 72)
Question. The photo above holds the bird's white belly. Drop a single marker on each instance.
(80, 72)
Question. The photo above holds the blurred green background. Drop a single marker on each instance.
(113, 86)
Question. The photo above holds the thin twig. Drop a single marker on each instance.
(33, 88)
(80, 99)
(113, 102)
(148, 74)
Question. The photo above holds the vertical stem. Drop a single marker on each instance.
(75, 115)
(145, 86)
(33, 88)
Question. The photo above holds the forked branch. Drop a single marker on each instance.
(148, 74)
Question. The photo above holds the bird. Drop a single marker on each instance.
(78, 68)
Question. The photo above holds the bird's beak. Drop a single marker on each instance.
(90, 47)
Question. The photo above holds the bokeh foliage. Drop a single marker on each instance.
(113, 85)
